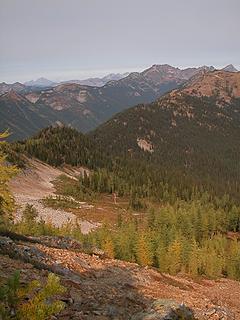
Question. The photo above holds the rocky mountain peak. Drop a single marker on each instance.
(230, 68)
(163, 68)
(40, 82)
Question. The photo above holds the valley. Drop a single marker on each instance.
(143, 208)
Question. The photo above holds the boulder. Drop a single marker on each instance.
(164, 309)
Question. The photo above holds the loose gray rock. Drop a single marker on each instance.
(164, 309)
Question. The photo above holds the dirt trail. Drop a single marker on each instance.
(35, 183)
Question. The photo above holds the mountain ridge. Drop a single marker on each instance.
(40, 82)
(94, 82)
(85, 107)
(44, 82)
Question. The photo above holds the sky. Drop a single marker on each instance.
(77, 39)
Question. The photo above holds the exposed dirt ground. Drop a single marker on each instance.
(105, 210)
(35, 183)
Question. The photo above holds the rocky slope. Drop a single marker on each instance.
(35, 183)
(102, 288)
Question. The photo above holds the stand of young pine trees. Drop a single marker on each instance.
(189, 237)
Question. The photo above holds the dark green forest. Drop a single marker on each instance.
(195, 142)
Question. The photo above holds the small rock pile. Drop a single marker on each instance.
(219, 313)
(164, 309)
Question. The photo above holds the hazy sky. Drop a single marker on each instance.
(73, 39)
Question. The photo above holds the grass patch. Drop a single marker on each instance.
(69, 187)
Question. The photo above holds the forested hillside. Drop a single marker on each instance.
(190, 135)
(58, 145)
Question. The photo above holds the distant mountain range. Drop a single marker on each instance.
(17, 86)
(94, 82)
(25, 109)
(99, 82)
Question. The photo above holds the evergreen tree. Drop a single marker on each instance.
(108, 247)
(161, 255)
(174, 257)
(193, 264)
(233, 259)
(144, 254)
(6, 199)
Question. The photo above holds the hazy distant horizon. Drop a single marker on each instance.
(78, 39)
(78, 75)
